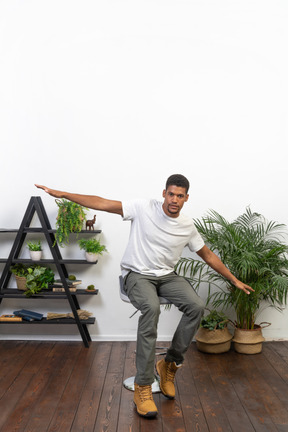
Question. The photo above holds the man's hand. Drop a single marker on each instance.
(52, 192)
(240, 285)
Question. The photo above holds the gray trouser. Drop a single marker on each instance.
(143, 292)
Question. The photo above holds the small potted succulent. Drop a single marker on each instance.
(90, 288)
(35, 250)
(92, 248)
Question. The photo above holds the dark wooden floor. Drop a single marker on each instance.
(62, 386)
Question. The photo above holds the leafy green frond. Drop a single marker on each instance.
(70, 219)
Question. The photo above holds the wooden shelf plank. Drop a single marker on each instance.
(40, 230)
(51, 261)
(90, 320)
(15, 293)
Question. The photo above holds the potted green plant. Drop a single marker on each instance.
(70, 219)
(92, 248)
(35, 250)
(254, 250)
(213, 335)
(38, 278)
(20, 272)
(33, 278)
(90, 288)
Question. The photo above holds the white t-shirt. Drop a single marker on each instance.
(156, 240)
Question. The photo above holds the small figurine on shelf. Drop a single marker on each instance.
(90, 223)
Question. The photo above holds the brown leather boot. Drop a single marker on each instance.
(144, 402)
(166, 372)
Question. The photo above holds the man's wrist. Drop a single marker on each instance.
(233, 281)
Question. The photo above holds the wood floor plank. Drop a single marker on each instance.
(9, 348)
(107, 418)
(88, 407)
(276, 360)
(272, 377)
(281, 349)
(214, 412)
(11, 405)
(153, 424)
(128, 419)
(265, 394)
(117, 358)
(65, 413)
(171, 415)
(50, 367)
(193, 415)
(48, 401)
(235, 369)
(235, 412)
(14, 364)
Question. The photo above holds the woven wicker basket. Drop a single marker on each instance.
(21, 283)
(213, 341)
(248, 341)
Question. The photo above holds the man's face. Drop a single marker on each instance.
(174, 199)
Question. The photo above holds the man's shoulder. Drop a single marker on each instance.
(140, 206)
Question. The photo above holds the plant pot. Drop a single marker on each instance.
(21, 283)
(35, 255)
(248, 341)
(213, 341)
(91, 257)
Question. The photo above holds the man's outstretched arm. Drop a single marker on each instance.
(214, 262)
(90, 201)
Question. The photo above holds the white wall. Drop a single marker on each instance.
(111, 97)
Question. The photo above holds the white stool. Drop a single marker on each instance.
(129, 382)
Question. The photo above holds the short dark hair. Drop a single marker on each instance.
(178, 180)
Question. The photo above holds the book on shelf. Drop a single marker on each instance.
(10, 318)
(58, 282)
(28, 315)
(62, 289)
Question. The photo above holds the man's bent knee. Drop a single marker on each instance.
(150, 309)
(195, 309)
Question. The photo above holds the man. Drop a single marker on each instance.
(159, 233)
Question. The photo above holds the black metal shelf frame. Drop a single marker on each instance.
(36, 205)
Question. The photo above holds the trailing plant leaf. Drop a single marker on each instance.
(19, 270)
(37, 277)
(70, 219)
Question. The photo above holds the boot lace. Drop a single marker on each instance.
(145, 393)
(170, 372)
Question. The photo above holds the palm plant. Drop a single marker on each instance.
(254, 251)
